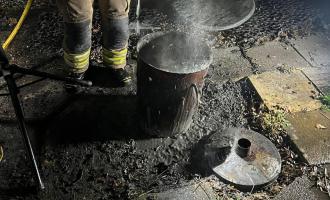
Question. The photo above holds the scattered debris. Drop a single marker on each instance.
(327, 184)
(1, 153)
(301, 188)
(319, 175)
(320, 126)
(12, 21)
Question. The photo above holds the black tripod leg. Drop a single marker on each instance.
(22, 126)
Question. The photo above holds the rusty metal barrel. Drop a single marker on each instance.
(170, 77)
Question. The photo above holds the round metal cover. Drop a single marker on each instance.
(243, 158)
(215, 14)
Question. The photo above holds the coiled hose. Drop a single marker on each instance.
(18, 25)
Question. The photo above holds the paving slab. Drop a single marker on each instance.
(301, 188)
(289, 90)
(275, 54)
(195, 191)
(316, 49)
(310, 132)
(229, 63)
(320, 76)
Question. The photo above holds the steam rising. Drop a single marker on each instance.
(176, 53)
(214, 14)
(188, 52)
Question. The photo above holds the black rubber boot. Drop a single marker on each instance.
(72, 88)
(122, 76)
(78, 76)
(115, 40)
(103, 76)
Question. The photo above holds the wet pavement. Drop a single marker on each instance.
(316, 50)
(275, 55)
(229, 63)
(310, 133)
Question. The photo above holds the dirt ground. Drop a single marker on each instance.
(93, 148)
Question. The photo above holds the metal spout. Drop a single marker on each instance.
(243, 147)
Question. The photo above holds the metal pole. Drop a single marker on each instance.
(12, 87)
(17, 69)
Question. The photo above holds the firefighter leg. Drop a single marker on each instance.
(77, 16)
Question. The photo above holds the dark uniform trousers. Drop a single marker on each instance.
(78, 16)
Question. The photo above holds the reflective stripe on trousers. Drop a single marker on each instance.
(78, 15)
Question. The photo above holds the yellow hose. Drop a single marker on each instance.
(18, 25)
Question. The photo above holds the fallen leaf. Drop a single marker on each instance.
(12, 21)
(320, 126)
(1, 153)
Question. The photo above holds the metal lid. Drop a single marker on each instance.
(215, 15)
(243, 158)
